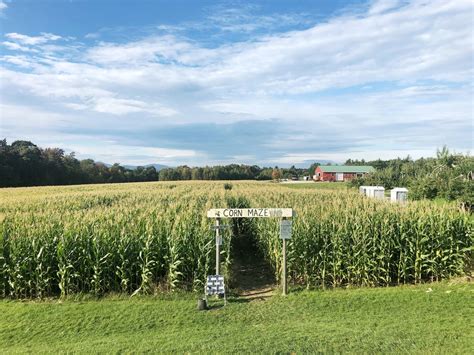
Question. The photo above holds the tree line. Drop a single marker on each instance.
(231, 172)
(448, 175)
(23, 163)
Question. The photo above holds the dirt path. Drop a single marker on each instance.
(252, 278)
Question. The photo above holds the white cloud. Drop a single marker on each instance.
(353, 154)
(31, 121)
(243, 19)
(18, 60)
(13, 46)
(68, 88)
(135, 155)
(3, 6)
(92, 36)
(149, 50)
(380, 6)
(125, 106)
(76, 106)
(417, 42)
(397, 63)
(32, 40)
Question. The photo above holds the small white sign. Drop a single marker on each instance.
(215, 285)
(249, 212)
(285, 229)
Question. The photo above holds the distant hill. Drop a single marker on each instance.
(305, 164)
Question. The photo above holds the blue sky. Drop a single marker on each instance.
(264, 82)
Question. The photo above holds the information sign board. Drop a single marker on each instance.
(285, 229)
(250, 212)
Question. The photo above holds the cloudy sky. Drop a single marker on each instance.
(265, 82)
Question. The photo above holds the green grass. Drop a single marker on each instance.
(381, 320)
(318, 185)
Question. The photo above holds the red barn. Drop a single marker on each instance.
(340, 172)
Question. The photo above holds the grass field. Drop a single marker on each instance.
(318, 185)
(431, 318)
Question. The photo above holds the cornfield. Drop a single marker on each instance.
(147, 237)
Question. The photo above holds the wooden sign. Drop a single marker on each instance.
(250, 212)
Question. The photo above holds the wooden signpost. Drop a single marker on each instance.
(285, 228)
(250, 212)
(285, 233)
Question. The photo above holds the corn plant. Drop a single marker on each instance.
(131, 238)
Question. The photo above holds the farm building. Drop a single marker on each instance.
(340, 172)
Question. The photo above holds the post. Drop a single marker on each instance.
(283, 272)
(218, 247)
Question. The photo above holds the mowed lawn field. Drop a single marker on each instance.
(427, 318)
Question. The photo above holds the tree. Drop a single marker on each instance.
(276, 174)
(312, 169)
(196, 174)
(150, 174)
(265, 174)
(186, 173)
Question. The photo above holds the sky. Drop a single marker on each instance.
(219, 82)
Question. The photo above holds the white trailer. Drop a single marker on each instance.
(399, 194)
(377, 192)
(363, 190)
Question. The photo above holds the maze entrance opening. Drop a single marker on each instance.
(283, 213)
